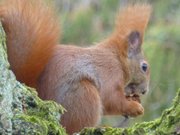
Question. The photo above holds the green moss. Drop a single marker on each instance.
(38, 117)
(42, 117)
(36, 125)
(47, 110)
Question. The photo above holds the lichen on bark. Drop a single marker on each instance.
(21, 111)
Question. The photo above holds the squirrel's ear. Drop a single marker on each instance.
(134, 43)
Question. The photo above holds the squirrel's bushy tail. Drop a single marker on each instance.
(32, 30)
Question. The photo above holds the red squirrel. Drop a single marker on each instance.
(105, 79)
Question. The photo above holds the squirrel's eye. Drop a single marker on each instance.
(144, 66)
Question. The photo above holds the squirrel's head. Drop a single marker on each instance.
(138, 67)
(130, 26)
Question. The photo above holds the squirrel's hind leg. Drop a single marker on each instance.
(83, 107)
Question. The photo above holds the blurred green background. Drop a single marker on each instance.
(85, 22)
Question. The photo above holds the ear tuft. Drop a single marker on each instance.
(134, 43)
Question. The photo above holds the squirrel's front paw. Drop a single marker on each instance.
(133, 109)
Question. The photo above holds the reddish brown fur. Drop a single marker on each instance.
(89, 97)
(25, 23)
(129, 19)
(86, 81)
